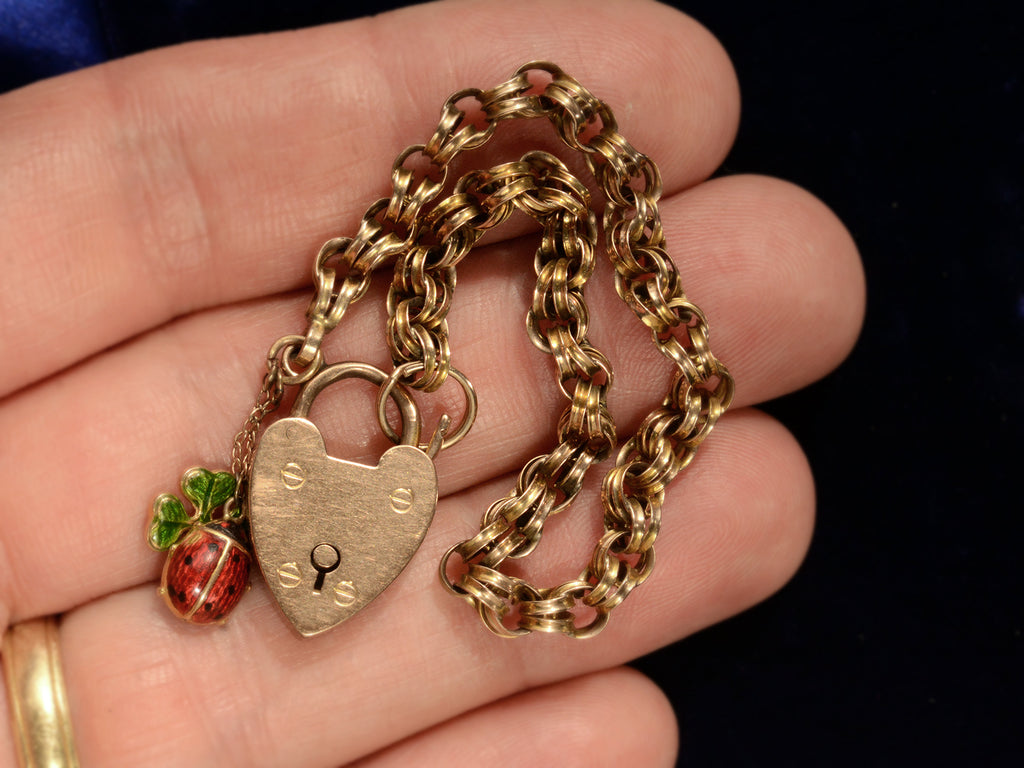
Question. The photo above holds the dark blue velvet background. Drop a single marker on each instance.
(900, 640)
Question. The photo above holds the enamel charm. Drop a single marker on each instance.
(207, 567)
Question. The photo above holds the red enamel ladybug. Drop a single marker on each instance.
(207, 572)
(207, 567)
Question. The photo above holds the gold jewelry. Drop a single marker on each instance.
(38, 698)
(330, 535)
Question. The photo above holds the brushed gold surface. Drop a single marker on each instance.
(374, 517)
(330, 535)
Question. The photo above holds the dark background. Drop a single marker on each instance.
(900, 640)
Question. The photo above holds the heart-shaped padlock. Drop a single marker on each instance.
(331, 535)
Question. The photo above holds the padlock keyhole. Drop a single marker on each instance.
(324, 558)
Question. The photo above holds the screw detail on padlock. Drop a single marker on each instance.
(330, 535)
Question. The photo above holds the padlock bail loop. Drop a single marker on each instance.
(354, 370)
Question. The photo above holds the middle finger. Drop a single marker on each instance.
(100, 441)
(253, 693)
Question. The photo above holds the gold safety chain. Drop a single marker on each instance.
(428, 237)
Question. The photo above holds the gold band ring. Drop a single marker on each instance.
(38, 698)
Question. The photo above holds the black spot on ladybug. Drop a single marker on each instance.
(181, 596)
(212, 546)
(235, 558)
(188, 559)
(208, 607)
(231, 589)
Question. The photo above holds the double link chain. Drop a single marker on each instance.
(428, 236)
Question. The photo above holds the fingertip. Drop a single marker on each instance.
(780, 274)
(614, 717)
(736, 528)
(658, 740)
(777, 481)
(822, 245)
(706, 69)
(668, 79)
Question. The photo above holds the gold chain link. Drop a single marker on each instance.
(428, 237)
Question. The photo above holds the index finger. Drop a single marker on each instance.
(185, 178)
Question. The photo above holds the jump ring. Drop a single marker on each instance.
(284, 350)
(415, 366)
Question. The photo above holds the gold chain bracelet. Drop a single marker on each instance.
(330, 535)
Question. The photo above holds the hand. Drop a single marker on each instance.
(161, 214)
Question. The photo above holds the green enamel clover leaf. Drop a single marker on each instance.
(205, 489)
(169, 521)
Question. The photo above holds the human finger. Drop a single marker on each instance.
(253, 693)
(184, 178)
(773, 269)
(566, 724)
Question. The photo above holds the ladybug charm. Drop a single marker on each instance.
(207, 567)
(207, 572)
